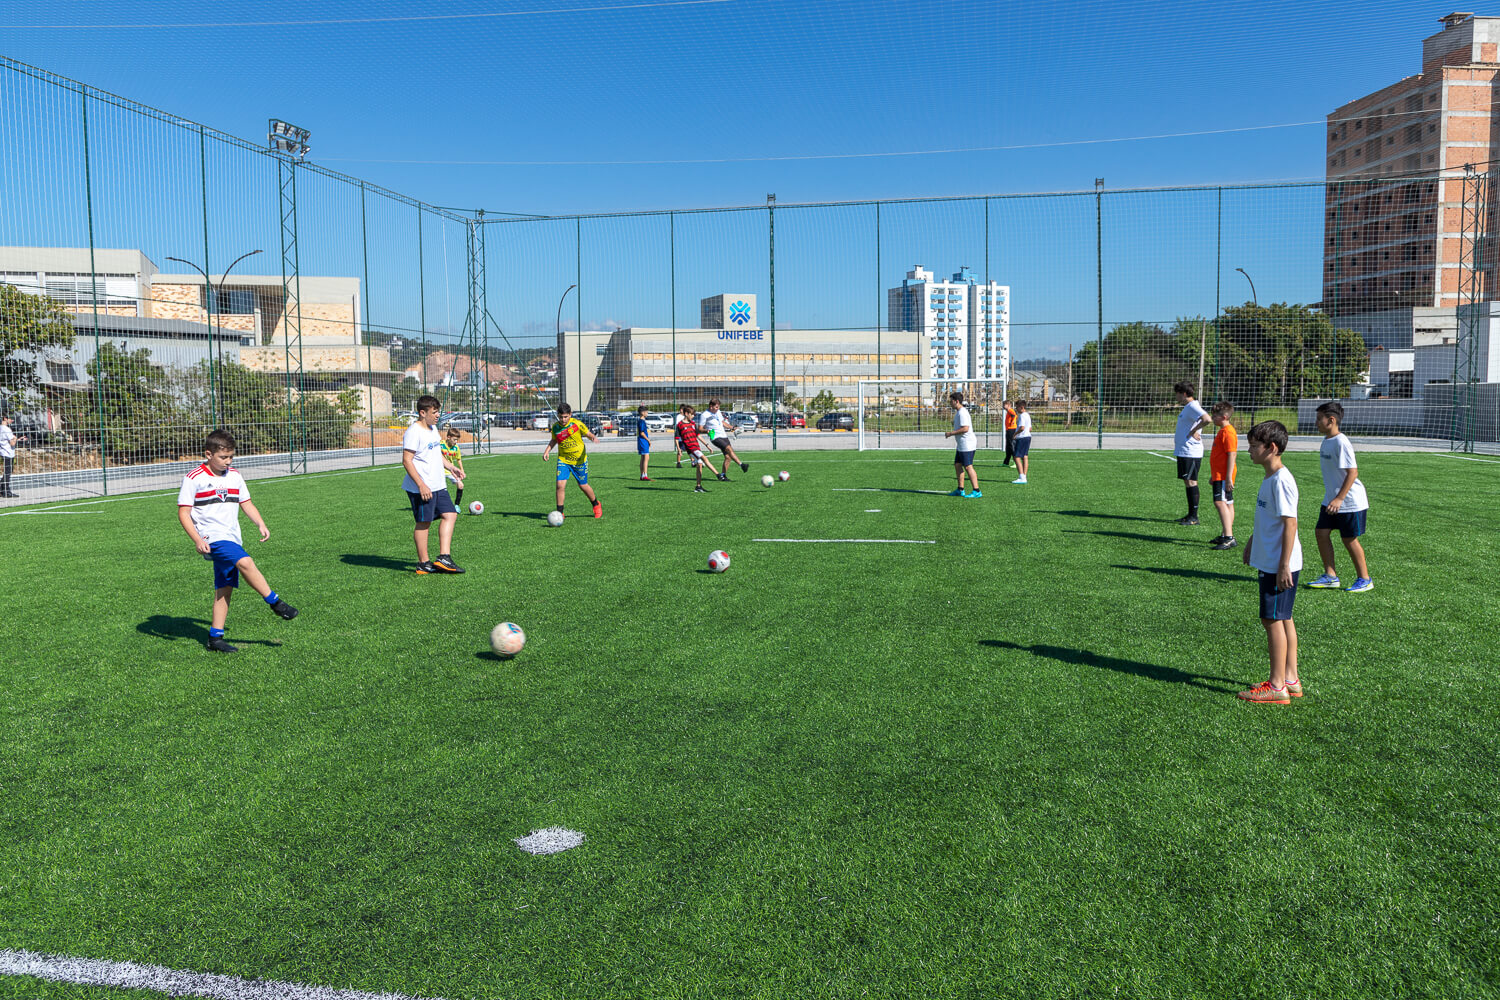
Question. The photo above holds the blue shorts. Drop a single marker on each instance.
(964, 458)
(1277, 604)
(1021, 447)
(224, 555)
(1348, 525)
(1223, 491)
(428, 511)
(579, 472)
(643, 446)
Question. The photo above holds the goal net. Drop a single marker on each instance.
(916, 413)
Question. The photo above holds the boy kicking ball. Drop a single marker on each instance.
(209, 505)
(1344, 503)
(687, 431)
(1277, 554)
(572, 456)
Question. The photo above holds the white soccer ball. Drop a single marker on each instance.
(555, 519)
(766, 480)
(718, 560)
(476, 507)
(784, 475)
(507, 639)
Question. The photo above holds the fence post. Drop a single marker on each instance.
(88, 190)
(364, 244)
(672, 249)
(208, 292)
(1099, 274)
(421, 304)
(879, 394)
(771, 217)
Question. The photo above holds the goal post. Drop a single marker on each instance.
(915, 413)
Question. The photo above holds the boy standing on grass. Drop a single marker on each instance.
(1276, 553)
(966, 443)
(687, 432)
(1344, 502)
(7, 456)
(1022, 443)
(427, 489)
(208, 505)
(1010, 432)
(454, 458)
(1188, 446)
(642, 441)
(1221, 472)
(572, 456)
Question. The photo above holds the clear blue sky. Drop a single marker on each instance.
(530, 105)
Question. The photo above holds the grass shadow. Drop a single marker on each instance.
(490, 656)
(535, 515)
(1193, 574)
(1109, 517)
(1136, 668)
(1134, 536)
(172, 628)
(375, 562)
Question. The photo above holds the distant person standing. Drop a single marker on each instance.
(643, 442)
(1188, 445)
(966, 442)
(7, 455)
(1010, 432)
(1022, 442)
(1345, 502)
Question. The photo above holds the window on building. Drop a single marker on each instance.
(61, 371)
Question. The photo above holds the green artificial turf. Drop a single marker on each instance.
(1006, 764)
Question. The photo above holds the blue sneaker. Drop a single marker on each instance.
(956, 493)
(974, 495)
(1361, 585)
(1326, 582)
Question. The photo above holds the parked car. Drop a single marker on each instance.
(540, 420)
(741, 420)
(660, 421)
(592, 421)
(788, 420)
(836, 422)
(462, 420)
(625, 426)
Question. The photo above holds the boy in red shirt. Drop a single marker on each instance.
(687, 431)
(1221, 470)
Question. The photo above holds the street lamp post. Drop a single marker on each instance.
(562, 349)
(215, 351)
(1256, 300)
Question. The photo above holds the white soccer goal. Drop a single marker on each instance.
(915, 413)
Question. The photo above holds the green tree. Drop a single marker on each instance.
(1141, 362)
(135, 413)
(1276, 354)
(28, 324)
(823, 402)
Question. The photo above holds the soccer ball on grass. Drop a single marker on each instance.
(507, 639)
(718, 560)
(766, 480)
(476, 507)
(784, 475)
(555, 519)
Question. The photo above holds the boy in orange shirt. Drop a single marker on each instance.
(1221, 470)
(1010, 432)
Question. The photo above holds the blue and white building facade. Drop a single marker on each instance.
(967, 321)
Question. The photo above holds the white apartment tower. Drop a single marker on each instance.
(968, 322)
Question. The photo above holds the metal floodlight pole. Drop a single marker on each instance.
(215, 351)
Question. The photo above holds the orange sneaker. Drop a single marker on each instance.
(1264, 694)
(1294, 688)
(598, 510)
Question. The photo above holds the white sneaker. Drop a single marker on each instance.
(1019, 482)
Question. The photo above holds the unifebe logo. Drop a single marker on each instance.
(739, 313)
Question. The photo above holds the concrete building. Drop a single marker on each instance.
(247, 309)
(968, 322)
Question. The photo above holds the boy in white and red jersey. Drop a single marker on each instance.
(208, 505)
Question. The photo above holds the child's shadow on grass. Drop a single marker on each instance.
(1092, 513)
(1150, 671)
(172, 628)
(535, 515)
(375, 562)
(1135, 536)
(1194, 574)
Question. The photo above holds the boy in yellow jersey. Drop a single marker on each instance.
(572, 456)
(454, 457)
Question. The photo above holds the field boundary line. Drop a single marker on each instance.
(850, 541)
(173, 982)
(1167, 457)
(1467, 458)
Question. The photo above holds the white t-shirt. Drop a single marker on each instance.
(712, 423)
(1185, 445)
(215, 501)
(968, 440)
(1023, 424)
(1335, 455)
(7, 442)
(426, 444)
(1277, 498)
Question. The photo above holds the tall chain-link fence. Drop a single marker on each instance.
(159, 278)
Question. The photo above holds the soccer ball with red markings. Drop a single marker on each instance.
(783, 475)
(507, 640)
(718, 561)
(476, 507)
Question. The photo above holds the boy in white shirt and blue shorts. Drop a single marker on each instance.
(966, 443)
(427, 488)
(1276, 554)
(1344, 502)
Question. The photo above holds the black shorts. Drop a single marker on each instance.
(964, 458)
(1348, 525)
(722, 442)
(1021, 447)
(1223, 491)
(1277, 604)
(1187, 468)
(429, 510)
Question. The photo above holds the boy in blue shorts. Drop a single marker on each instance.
(642, 441)
(1276, 554)
(426, 487)
(1344, 502)
(572, 456)
(209, 505)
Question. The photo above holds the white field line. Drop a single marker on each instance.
(849, 541)
(1466, 458)
(8, 513)
(1169, 458)
(130, 976)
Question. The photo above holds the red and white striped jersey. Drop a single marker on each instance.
(215, 501)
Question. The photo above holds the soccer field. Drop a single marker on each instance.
(1007, 763)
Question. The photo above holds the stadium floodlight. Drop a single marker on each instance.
(284, 137)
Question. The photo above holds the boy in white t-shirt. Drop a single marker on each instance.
(1021, 444)
(1277, 554)
(1344, 503)
(7, 456)
(208, 505)
(1187, 445)
(967, 442)
(426, 487)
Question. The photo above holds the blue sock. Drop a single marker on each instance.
(272, 598)
(216, 633)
